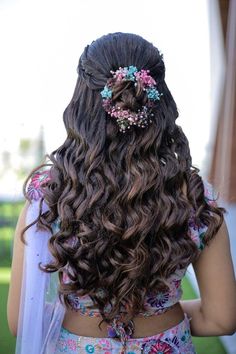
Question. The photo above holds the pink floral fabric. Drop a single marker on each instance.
(176, 340)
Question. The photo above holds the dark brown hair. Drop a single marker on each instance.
(121, 195)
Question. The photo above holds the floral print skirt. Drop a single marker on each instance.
(175, 340)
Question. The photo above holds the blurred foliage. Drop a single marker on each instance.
(25, 146)
(9, 213)
(7, 341)
(11, 210)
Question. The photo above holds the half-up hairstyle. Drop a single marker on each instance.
(121, 197)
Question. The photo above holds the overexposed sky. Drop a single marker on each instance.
(41, 41)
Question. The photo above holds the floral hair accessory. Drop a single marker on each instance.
(125, 117)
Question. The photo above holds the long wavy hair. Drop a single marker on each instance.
(121, 196)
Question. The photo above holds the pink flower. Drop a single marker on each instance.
(161, 348)
(157, 346)
(106, 344)
(71, 344)
(145, 78)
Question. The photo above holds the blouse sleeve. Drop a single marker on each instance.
(210, 193)
(36, 183)
(197, 232)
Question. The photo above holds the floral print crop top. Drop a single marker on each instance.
(154, 303)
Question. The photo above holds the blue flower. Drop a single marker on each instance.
(153, 94)
(131, 70)
(106, 92)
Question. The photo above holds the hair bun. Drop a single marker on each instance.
(129, 96)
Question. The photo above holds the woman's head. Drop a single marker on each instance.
(85, 114)
(118, 50)
(120, 196)
(86, 120)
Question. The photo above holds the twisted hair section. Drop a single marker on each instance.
(120, 198)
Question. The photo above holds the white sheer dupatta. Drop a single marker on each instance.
(41, 313)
